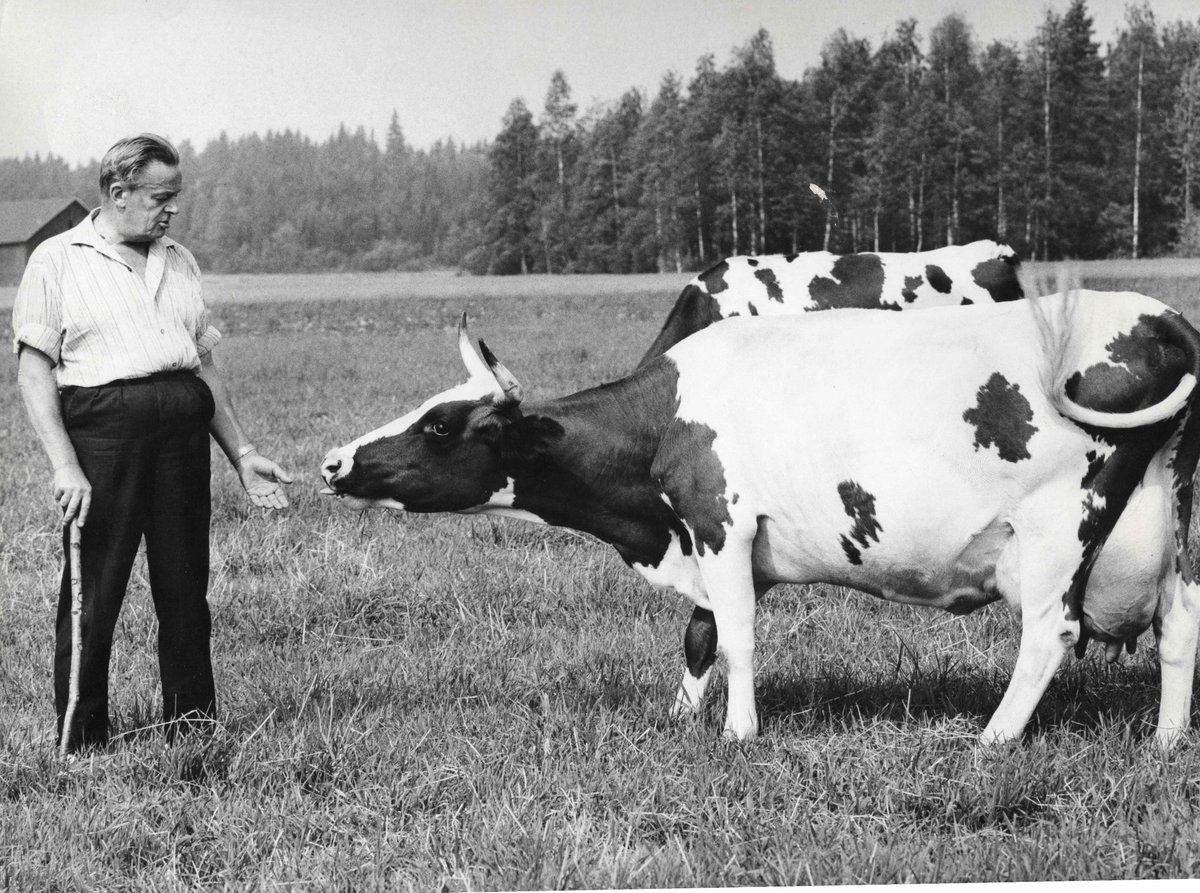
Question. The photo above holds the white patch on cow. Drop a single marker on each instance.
(500, 503)
(793, 279)
(676, 571)
(474, 389)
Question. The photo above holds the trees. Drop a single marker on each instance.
(556, 155)
(1057, 146)
(512, 225)
(839, 90)
(1181, 47)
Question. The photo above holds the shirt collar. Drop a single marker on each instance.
(85, 234)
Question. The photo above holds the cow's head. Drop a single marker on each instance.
(444, 456)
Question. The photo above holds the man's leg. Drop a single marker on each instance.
(112, 463)
(177, 556)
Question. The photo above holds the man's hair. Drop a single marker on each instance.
(128, 157)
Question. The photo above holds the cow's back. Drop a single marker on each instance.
(786, 284)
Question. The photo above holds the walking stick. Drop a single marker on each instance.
(73, 562)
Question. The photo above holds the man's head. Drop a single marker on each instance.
(139, 183)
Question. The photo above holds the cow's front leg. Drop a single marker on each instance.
(699, 652)
(1178, 629)
(729, 582)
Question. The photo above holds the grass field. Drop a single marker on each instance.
(449, 703)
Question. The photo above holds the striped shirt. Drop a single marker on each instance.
(99, 321)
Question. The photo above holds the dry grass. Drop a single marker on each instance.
(451, 703)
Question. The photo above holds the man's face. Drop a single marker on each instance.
(150, 202)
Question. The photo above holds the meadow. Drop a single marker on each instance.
(455, 703)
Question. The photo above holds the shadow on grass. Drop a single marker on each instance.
(1083, 695)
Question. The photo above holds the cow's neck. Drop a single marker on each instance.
(595, 477)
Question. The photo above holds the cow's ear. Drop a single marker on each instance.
(529, 437)
(492, 428)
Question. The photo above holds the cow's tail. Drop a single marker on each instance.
(1066, 323)
(1150, 415)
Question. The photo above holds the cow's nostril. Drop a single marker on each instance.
(333, 468)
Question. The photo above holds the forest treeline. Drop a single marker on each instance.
(1058, 146)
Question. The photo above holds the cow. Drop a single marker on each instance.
(982, 272)
(1040, 452)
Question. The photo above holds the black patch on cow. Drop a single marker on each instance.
(1145, 367)
(965, 302)
(999, 277)
(1001, 419)
(768, 278)
(596, 476)
(752, 261)
(911, 284)
(856, 281)
(750, 306)
(714, 278)
(1106, 486)
(860, 506)
(691, 475)
(938, 280)
(700, 642)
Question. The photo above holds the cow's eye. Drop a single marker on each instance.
(439, 429)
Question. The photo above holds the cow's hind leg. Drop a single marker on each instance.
(1049, 627)
(1179, 628)
(699, 652)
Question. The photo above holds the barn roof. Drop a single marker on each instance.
(20, 220)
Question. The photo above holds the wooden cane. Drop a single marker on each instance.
(73, 562)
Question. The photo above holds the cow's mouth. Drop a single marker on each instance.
(351, 502)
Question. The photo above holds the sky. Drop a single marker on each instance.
(76, 75)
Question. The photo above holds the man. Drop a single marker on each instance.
(116, 369)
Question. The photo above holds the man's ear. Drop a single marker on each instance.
(118, 192)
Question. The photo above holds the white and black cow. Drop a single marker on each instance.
(982, 272)
(1036, 451)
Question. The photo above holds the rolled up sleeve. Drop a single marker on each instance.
(207, 340)
(37, 310)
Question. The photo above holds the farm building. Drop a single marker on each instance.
(25, 224)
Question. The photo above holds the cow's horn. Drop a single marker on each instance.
(475, 366)
(507, 381)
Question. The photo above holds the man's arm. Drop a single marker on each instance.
(260, 476)
(39, 391)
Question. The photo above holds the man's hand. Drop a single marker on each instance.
(262, 479)
(73, 493)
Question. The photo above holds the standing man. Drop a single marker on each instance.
(116, 370)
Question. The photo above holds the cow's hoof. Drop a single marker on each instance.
(733, 734)
(1166, 740)
(683, 708)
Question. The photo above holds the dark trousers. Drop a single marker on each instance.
(143, 445)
